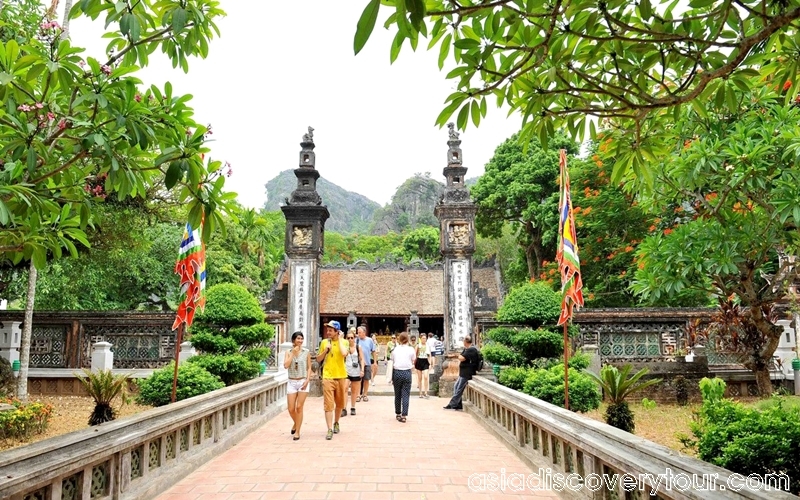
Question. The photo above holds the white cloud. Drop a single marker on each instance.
(282, 66)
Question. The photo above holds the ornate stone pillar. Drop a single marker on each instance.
(303, 243)
(413, 324)
(456, 214)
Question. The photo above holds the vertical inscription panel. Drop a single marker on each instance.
(301, 295)
(460, 302)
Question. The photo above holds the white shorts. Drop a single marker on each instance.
(295, 386)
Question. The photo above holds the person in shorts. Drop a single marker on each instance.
(298, 363)
(354, 363)
(333, 351)
(367, 346)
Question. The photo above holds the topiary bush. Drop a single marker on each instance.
(193, 380)
(548, 385)
(501, 355)
(501, 335)
(540, 343)
(231, 334)
(230, 368)
(533, 304)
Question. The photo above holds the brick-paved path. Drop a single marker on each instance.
(375, 457)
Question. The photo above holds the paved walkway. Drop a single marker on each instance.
(374, 457)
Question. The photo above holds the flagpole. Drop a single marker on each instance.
(566, 368)
(178, 342)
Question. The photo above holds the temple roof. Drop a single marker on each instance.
(395, 290)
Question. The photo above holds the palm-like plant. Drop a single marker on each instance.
(104, 387)
(617, 385)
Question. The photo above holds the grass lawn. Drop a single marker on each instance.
(70, 413)
(664, 423)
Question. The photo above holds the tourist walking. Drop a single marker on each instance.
(388, 358)
(431, 350)
(469, 358)
(367, 346)
(298, 363)
(403, 357)
(332, 352)
(421, 366)
(354, 363)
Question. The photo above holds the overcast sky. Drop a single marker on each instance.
(282, 66)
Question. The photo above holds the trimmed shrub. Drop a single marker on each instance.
(513, 378)
(230, 368)
(580, 361)
(540, 343)
(749, 441)
(193, 380)
(533, 304)
(231, 334)
(229, 305)
(501, 335)
(548, 385)
(499, 354)
(25, 420)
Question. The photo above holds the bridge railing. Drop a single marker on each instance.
(560, 442)
(139, 456)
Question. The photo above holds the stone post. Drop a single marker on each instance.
(796, 382)
(352, 321)
(187, 351)
(456, 214)
(10, 335)
(304, 242)
(413, 324)
(594, 358)
(102, 357)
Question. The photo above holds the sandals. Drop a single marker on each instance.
(398, 417)
(293, 431)
(364, 398)
(402, 419)
(358, 399)
(296, 438)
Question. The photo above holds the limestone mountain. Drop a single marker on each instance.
(350, 212)
(411, 206)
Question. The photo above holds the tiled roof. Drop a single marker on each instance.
(389, 293)
(395, 292)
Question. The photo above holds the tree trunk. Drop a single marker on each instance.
(25, 341)
(761, 360)
(65, 23)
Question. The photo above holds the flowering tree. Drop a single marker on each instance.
(74, 131)
(734, 178)
(569, 64)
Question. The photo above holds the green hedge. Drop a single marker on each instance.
(532, 304)
(193, 380)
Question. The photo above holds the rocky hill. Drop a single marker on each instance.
(411, 206)
(350, 212)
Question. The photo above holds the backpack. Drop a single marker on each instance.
(479, 365)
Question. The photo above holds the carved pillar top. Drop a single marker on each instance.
(455, 210)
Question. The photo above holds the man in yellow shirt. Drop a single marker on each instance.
(334, 375)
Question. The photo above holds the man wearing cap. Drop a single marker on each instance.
(332, 351)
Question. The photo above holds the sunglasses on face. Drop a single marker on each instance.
(350, 338)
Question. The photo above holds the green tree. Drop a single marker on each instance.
(732, 185)
(74, 131)
(231, 334)
(520, 187)
(532, 304)
(423, 244)
(566, 65)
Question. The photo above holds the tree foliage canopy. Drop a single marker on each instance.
(566, 64)
(74, 130)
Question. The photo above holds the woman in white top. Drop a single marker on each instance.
(403, 358)
(354, 365)
(298, 363)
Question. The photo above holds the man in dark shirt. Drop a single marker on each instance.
(469, 365)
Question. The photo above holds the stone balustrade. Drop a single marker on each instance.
(138, 457)
(550, 437)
